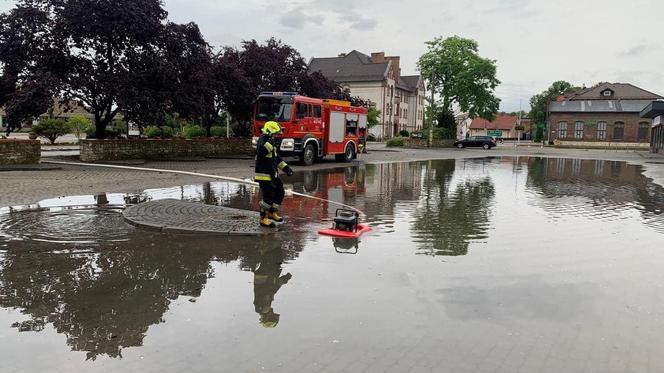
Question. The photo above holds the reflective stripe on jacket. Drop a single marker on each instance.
(268, 161)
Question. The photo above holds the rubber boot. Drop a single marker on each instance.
(274, 215)
(265, 221)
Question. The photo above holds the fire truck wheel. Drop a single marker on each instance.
(349, 155)
(309, 155)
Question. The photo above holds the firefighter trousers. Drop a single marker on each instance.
(273, 194)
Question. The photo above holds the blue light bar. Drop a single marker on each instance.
(278, 93)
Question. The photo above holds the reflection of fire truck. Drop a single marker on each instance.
(339, 185)
(312, 128)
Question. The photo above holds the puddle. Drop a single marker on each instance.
(465, 256)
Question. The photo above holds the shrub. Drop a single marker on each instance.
(51, 129)
(162, 132)
(396, 142)
(167, 132)
(191, 131)
(79, 125)
(218, 131)
(112, 132)
(152, 132)
(404, 133)
(91, 132)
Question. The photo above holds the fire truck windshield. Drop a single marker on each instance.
(274, 108)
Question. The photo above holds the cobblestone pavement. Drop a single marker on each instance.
(26, 187)
(181, 216)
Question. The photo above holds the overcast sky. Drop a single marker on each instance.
(534, 42)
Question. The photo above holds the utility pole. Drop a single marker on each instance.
(431, 112)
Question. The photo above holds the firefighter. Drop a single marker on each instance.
(268, 164)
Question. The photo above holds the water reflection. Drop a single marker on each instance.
(103, 283)
(451, 215)
(346, 245)
(105, 300)
(268, 279)
(595, 189)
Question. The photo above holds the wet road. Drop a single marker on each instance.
(485, 265)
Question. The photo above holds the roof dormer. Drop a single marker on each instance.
(607, 93)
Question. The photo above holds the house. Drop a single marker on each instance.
(504, 126)
(655, 112)
(605, 113)
(61, 109)
(377, 78)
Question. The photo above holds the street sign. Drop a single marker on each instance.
(494, 133)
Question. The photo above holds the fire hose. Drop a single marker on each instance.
(210, 176)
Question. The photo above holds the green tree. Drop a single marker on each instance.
(460, 76)
(79, 125)
(372, 117)
(539, 103)
(51, 129)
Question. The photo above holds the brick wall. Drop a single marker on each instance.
(19, 152)
(591, 120)
(112, 150)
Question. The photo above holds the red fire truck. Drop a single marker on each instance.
(312, 128)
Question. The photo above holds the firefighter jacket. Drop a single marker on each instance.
(268, 161)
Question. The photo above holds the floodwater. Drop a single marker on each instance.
(485, 265)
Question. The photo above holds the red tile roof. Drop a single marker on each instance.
(502, 122)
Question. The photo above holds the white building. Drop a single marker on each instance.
(378, 79)
(463, 121)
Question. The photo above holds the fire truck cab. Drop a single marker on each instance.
(312, 128)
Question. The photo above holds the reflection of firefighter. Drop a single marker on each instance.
(267, 282)
(268, 164)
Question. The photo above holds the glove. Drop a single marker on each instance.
(289, 171)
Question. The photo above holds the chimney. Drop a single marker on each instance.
(395, 65)
(378, 57)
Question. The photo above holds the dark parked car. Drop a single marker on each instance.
(486, 142)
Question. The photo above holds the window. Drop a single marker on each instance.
(562, 130)
(302, 110)
(274, 108)
(352, 121)
(644, 131)
(618, 131)
(601, 130)
(607, 93)
(578, 130)
(317, 112)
